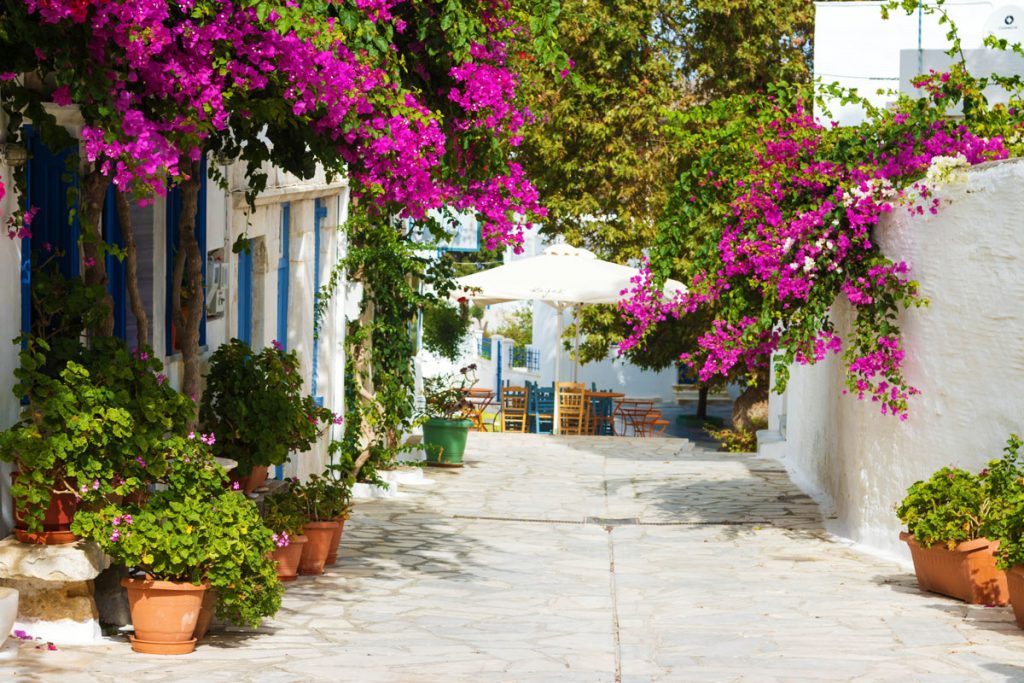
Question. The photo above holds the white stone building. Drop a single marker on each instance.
(259, 296)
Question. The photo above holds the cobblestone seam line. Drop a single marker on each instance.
(615, 605)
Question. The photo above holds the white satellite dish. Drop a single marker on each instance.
(1007, 22)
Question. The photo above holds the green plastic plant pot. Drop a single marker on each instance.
(448, 437)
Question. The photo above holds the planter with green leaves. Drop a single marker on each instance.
(323, 499)
(1005, 519)
(90, 420)
(253, 402)
(285, 516)
(190, 534)
(446, 427)
(945, 518)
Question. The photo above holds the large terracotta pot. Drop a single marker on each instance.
(257, 475)
(56, 520)
(314, 553)
(164, 614)
(332, 553)
(288, 558)
(1015, 582)
(968, 572)
(206, 611)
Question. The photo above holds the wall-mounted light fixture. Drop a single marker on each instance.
(13, 154)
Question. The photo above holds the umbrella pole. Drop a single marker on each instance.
(576, 344)
(560, 309)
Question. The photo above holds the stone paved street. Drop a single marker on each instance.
(590, 560)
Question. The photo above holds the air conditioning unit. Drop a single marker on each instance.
(216, 284)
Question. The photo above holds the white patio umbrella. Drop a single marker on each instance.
(561, 277)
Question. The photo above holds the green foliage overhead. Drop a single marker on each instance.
(445, 327)
(518, 327)
(608, 143)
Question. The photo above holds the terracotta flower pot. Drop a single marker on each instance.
(56, 520)
(257, 475)
(314, 553)
(1015, 582)
(288, 558)
(332, 553)
(164, 614)
(968, 572)
(206, 611)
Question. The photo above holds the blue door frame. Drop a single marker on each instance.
(173, 216)
(245, 295)
(319, 214)
(283, 275)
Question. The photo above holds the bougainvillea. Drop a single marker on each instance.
(162, 81)
(797, 210)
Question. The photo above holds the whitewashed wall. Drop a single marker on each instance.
(612, 373)
(265, 223)
(10, 327)
(964, 352)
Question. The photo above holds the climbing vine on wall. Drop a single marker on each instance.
(398, 280)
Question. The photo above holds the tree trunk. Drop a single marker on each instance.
(94, 189)
(702, 401)
(131, 259)
(363, 362)
(188, 267)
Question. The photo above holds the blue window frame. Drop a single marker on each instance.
(55, 229)
(117, 282)
(245, 295)
(173, 216)
(319, 214)
(283, 275)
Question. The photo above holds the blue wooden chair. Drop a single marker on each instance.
(541, 410)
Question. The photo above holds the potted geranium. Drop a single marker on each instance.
(254, 403)
(191, 534)
(323, 499)
(446, 427)
(90, 418)
(945, 518)
(285, 517)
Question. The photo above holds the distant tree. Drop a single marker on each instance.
(622, 126)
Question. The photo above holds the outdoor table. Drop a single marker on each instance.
(633, 411)
(594, 396)
(479, 400)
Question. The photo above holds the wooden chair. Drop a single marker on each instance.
(600, 420)
(541, 410)
(572, 408)
(514, 403)
(653, 423)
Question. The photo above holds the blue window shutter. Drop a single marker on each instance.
(173, 216)
(320, 213)
(245, 295)
(283, 275)
(49, 177)
(117, 283)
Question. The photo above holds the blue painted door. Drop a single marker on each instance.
(52, 190)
